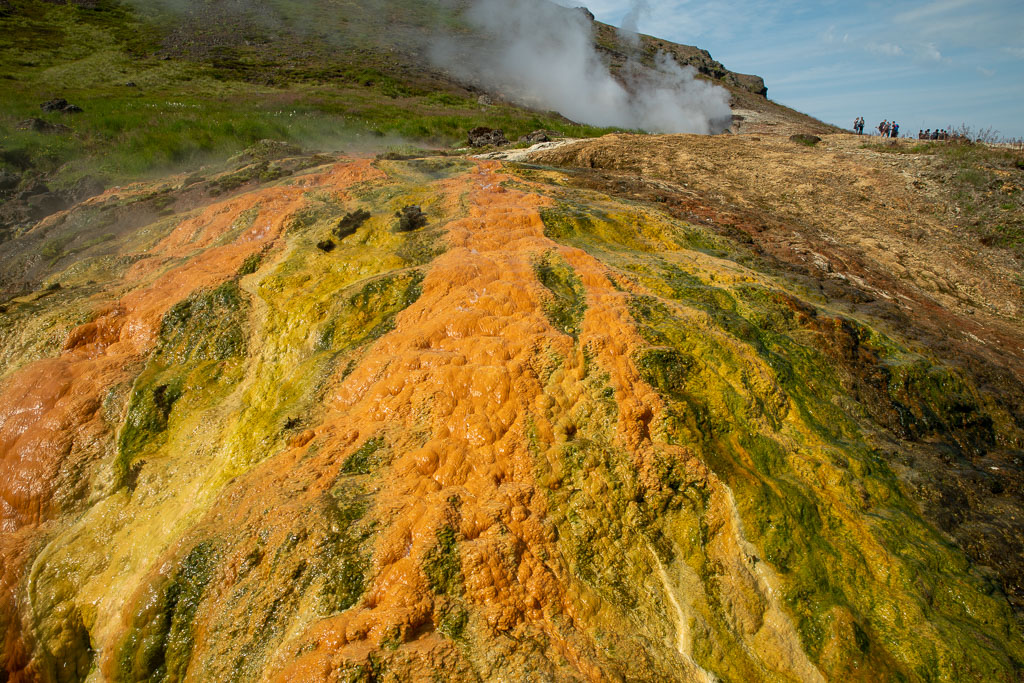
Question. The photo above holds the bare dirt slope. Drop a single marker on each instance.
(843, 212)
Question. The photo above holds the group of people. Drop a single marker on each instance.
(887, 129)
(891, 129)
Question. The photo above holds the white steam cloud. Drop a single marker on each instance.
(542, 54)
(630, 28)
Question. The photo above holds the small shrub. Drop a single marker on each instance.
(325, 245)
(805, 139)
(350, 223)
(410, 218)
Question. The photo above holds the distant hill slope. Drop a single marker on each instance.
(176, 85)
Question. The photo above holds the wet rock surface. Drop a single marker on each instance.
(570, 428)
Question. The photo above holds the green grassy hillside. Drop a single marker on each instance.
(153, 99)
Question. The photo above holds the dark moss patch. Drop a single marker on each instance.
(567, 304)
(251, 264)
(443, 565)
(207, 326)
(346, 563)
(452, 622)
(805, 139)
(370, 313)
(410, 218)
(159, 643)
(262, 171)
(197, 336)
(349, 223)
(363, 460)
(147, 415)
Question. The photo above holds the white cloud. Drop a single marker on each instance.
(929, 52)
(1017, 52)
(886, 49)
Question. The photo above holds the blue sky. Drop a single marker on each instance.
(924, 64)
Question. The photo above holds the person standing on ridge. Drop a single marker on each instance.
(895, 130)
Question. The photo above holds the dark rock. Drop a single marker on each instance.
(9, 180)
(805, 139)
(536, 137)
(350, 223)
(749, 82)
(61, 105)
(325, 245)
(267, 150)
(410, 218)
(42, 205)
(87, 186)
(131, 84)
(54, 105)
(40, 126)
(587, 13)
(33, 189)
(486, 137)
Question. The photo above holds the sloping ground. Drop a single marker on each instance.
(554, 434)
(170, 86)
(897, 234)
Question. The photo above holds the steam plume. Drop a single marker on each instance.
(630, 29)
(542, 54)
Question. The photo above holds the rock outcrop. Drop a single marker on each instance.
(482, 136)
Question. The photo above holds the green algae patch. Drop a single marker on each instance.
(205, 327)
(443, 566)
(567, 302)
(607, 521)
(201, 339)
(772, 395)
(370, 312)
(606, 228)
(443, 569)
(727, 386)
(252, 263)
(346, 563)
(364, 460)
(424, 170)
(158, 646)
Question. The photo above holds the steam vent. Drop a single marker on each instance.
(613, 407)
